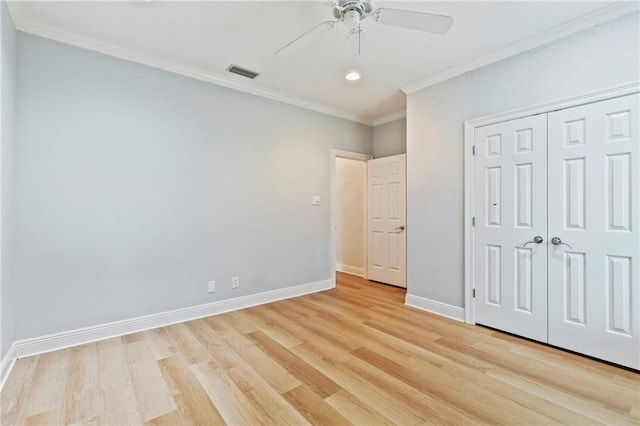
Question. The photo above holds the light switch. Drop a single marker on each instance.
(316, 200)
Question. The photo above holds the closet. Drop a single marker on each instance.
(556, 239)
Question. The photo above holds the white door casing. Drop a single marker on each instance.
(511, 210)
(594, 196)
(386, 220)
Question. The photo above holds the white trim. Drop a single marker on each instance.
(80, 336)
(469, 199)
(469, 131)
(23, 24)
(389, 118)
(16, 12)
(333, 154)
(618, 90)
(604, 14)
(347, 269)
(438, 308)
(6, 365)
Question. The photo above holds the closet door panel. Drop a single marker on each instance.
(594, 191)
(510, 206)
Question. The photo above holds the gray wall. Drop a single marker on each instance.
(7, 88)
(136, 186)
(390, 138)
(594, 59)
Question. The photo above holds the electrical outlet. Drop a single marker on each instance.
(212, 286)
(235, 282)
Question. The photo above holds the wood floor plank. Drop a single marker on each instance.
(424, 405)
(269, 404)
(331, 345)
(160, 343)
(351, 355)
(132, 338)
(470, 399)
(230, 401)
(276, 375)
(152, 394)
(117, 400)
(356, 411)
(81, 399)
(290, 310)
(190, 348)
(259, 315)
(304, 372)
(313, 408)
(317, 328)
(51, 417)
(391, 397)
(597, 412)
(169, 419)
(454, 373)
(218, 351)
(577, 384)
(47, 387)
(428, 344)
(191, 399)
(241, 322)
(16, 388)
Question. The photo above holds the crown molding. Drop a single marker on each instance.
(23, 24)
(389, 118)
(607, 13)
(604, 14)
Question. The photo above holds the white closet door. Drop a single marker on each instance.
(594, 187)
(511, 209)
(386, 219)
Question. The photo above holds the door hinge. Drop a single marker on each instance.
(473, 150)
(473, 294)
(473, 221)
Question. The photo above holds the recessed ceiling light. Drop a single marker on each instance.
(353, 76)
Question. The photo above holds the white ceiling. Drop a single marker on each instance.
(202, 39)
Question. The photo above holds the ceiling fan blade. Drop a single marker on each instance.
(308, 36)
(428, 22)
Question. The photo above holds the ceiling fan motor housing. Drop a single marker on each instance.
(344, 8)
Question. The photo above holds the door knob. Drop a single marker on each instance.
(400, 228)
(537, 240)
(556, 241)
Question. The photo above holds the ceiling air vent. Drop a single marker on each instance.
(242, 71)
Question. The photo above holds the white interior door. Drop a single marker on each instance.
(511, 226)
(594, 295)
(386, 220)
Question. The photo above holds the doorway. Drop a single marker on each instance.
(350, 215)
(348, 177)
(368, 217)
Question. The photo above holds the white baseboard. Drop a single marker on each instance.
(80, 336)
(7, 363)
(438, 308)
(353, 270)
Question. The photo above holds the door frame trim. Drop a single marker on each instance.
(625, 89)
(333, 155)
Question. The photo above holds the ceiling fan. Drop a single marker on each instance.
(352, 12)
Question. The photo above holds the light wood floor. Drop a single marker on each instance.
(354, 354)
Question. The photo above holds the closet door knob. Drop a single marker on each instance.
(556, 241)
(537, 240)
